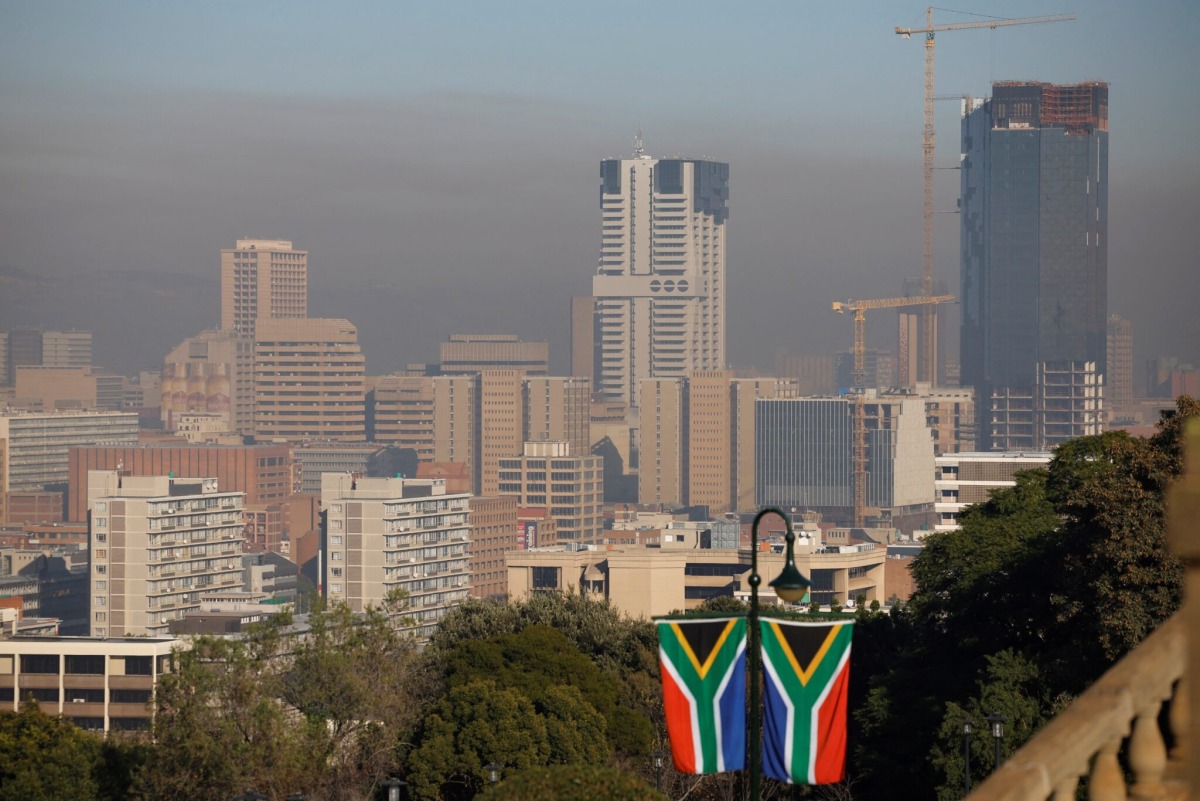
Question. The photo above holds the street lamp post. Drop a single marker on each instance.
(393, 785)
(658, 766)
(251, 794)
(790, 586)
(968, 728)
(997, 722)
(493, 772)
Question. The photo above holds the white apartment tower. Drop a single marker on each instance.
(659, 287)
(155, 544)
(385, 534)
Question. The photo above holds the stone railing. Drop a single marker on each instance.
(1122, 713)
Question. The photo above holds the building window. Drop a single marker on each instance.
(39, 663)
(129, 696)
(138, 666)
(85, 665)
(545, 578)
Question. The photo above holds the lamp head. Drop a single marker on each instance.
(791, 585)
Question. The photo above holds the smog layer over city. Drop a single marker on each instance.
(513, 400)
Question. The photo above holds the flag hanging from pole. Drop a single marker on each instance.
(806, 667)
(704, 692)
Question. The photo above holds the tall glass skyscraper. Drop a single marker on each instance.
(1035, 261)
(659, 287)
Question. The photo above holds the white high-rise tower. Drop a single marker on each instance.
(659, 287)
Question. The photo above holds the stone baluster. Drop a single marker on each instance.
(1178, 720)
(1107, 783)
(1183, 529)
(1147, 754)
(1065, 791)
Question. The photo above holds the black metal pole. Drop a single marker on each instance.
(754, 743)
(966, 765)
(997, 754)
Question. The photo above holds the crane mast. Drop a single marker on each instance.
(926, 369)
(859, 308)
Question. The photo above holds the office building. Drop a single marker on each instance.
(363, 459)
(660, 281)
(1118, 389)
(570, 486)
(696, 439)
(96, 683)
(479, 418)
(309, 381)
(805, 458)
(466, 354)
(909, 336)
(386, 534)
(35, 446)
(1035, 261)
(34, 347)
(263, 473)
(262, 279)
(156, 543)
(813, 375)
(963, 479)
(211, 373)
(879, 366)
(66, 348)
(584, 352)
(493, 524)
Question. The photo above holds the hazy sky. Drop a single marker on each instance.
(444, 155)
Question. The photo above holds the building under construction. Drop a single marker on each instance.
(1035, 258)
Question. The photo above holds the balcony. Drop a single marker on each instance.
(1120, 728)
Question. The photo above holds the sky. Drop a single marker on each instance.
(444, 156)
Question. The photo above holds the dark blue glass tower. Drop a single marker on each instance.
(1035, 261)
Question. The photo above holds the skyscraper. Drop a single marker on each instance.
(262, 279)
(1035, 261)
(659, 287)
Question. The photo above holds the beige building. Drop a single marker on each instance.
(570, 487)
(649, 581)
(659, 283)
(98, 684)
(696, 439)
(155, 543)
(66, 348)
(309, 381)
(963, 479)
(949, 413)
(210, 373)
(262, 279)
(466, 354)
(478, 419)
(583, 337)
(493, 533)
(388, 534)
(48, 389)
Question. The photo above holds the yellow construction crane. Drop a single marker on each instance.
(926, 369)
(859, 307)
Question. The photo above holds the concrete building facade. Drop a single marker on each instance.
(210, 373)
(262, 279)
(570, 486)
(660, 280)
(963, 479)
(309, 381)
(385, 534)
(96, 683)
(155, 543)
(493, 524)
(467, 354)
(805, 458)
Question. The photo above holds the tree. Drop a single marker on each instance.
(45, 758)
(570, 783)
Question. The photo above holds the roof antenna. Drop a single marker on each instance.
(639, 146)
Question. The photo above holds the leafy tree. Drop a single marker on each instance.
(45, 758)
(571, 783)
(478, 723)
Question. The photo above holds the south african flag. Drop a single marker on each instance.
(704, 692)
(807, 672)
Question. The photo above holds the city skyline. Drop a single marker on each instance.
(438, 170)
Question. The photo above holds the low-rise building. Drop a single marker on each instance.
(962, 479)
(103, 684)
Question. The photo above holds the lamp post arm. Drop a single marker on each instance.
(754, 742)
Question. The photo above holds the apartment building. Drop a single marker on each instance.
(262, 279)
(396, 534)
(571, 487)
(155, 544)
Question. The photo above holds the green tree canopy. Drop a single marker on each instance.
(571, 783)
(45, 758)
